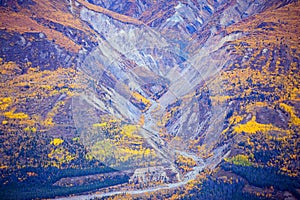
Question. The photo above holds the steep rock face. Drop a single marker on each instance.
(131, 8)
(128, 51)
(181, 20)
(148, 51)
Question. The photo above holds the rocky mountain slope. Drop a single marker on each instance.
(91, 87)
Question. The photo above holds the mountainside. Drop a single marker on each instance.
(185, 99)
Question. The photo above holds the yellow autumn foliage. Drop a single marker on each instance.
(12, 115)
(140, 98)
(49, 119)
(48, 122)
(183, 160)
(128, 130)
(56, 141)
(5, 102)
(30, 129)
(127, 153)
(59, 156)
(102, 150)
(100, 124)
(3, 167)
(141, 120)
(253, 127)
(235, 119)
(240, 159)
(219, 99)
(294, 119)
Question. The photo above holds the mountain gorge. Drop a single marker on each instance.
(191, 99)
